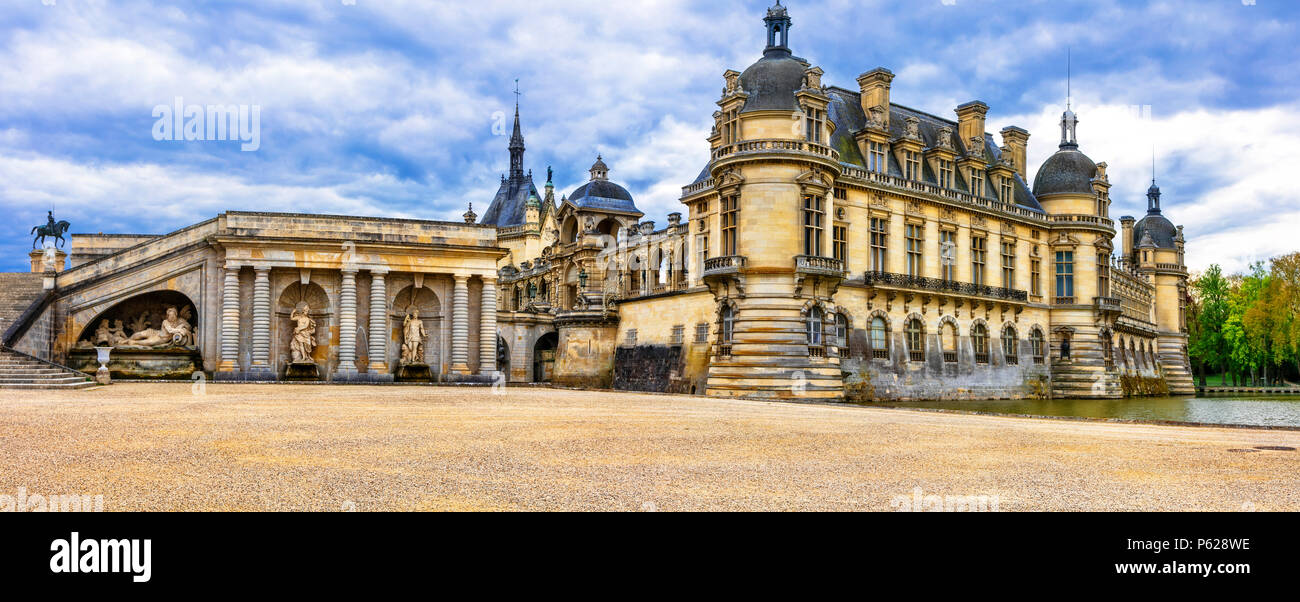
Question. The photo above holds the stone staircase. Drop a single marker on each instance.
(18, 371)
(18, 290)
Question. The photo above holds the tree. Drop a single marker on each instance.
(1286, 338)
(1210, 347)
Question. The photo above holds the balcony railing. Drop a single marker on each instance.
(950, 194)
(1012, 360)
(776, 145)
(1107, 305)
(1083, 219)
(1063, 300)
(816, 351)
(950, 357)
(916, 356)
(879, 354)
(718, 266)
(981, 358)
(944, 286)
(823, 266)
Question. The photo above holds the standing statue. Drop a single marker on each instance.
(51, 228)
(304, 335)
(413, 338)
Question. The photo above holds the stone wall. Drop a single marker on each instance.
(656, 368)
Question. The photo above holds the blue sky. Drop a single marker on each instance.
(393, 108)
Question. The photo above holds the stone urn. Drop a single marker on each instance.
(102, 375)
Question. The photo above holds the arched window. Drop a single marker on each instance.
(979, 338)
(842, 332)
(915, 340)
(1036, 345)
(948, 340)
(1010, 345)
(1107, 350)
(879, 339)
(728, 330)
(815, 326)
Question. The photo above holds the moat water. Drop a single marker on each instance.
(1252, 410)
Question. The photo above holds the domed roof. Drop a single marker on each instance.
(772, 82)
(602, 194)
(1066, 171)
(1159, 228)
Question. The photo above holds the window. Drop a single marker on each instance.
(679, 333)
(879, 239)
(728, 330)
(1008, 264)
(976, 181)
(915, 340)
(701, 252)
(841, 193)
(1107, 349)
(948, 340)
(979, 248)
(731, 127)
(813, 122)
(879, 339)
(948, 254)
(840, 234)
(1036, 277)
(1065, 277)
(1010, 346)
(815, 326)
(1065, 345)
(812, 225)
(1036, 345)
(841, 331)
(631, 336)
(912, 165)
(945, 173)
(730, 213)
(876, 160)
(915, 239)
(1103, 275)
(979, 338)
(702, 332)
(1006, 194)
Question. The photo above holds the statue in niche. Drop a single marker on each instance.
(413, 338)
(304, 335)
(175, 331)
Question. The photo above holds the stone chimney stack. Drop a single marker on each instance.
(874, 86)
(1126, 254)
(970, 120)
(1017, 139)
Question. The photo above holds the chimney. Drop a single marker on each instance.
(874, 86)
(1017, 139)
(970, 120)
(1126, 224)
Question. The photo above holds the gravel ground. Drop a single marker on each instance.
(155, 447)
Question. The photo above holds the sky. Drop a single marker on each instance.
(403, 108)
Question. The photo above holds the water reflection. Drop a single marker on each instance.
(1246, 410)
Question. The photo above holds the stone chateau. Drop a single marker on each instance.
(871, 251)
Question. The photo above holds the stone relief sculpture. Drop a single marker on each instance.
(174, 332)
(304, 335)
(413, 338)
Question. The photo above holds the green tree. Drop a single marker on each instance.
(1286, 337)
(1211, 293)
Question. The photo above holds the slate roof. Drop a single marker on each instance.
(508, 206)
(1067, 170)
(603, 195)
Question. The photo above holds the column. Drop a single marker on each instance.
(230, 320)
(348, 323)
(460, 326)
(379, 334)
(261, 361)
(487, 339)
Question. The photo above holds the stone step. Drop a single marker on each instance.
(5, 380)
(85, 384)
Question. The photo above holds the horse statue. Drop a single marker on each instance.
(52, 228)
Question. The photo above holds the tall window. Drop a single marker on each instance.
(841, 331)
(945, 173)
(879, 240)
(812, 224)
(979, 248)
(730, 215)
(1036, 277)
(976, 181)
(979, 338)
(731, 127)
(1006, 194)
(912, 165)
(1103, 275)
(876, 157)
(915, 340)
(948, 254)
(815, 326)
(915, 239)
(840, 234)
(948, 340)
(813, 122)
(879, 339)
(1036, 345)
(728, 323)
(1008, 264)
(1010, 346)
(1065, 276)
(701, 252)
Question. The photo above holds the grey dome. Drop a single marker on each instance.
(1161, 230)
(772, 82)
(1066, 171)
(603, 195)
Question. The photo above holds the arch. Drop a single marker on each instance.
(1037, 343)
(727, 311)
(544, 357)
(312, 297)
(1107, 346)
(425, 303)
(569, 230)
(1010, 343)
(816, 325)
(949, 336)
(609, 227)
(914, 337)
(138, 313)
(979, 339)
(878, 330)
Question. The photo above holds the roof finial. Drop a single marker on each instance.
(1068, 61)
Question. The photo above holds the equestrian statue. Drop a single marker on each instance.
(51, 228)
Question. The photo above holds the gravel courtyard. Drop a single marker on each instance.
(151, 447)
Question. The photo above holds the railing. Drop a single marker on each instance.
(1107, 304)
(1063, 300)
(1038, 359)
(950, 357)
(697, 187)
(816, 351)
(945, 286)
(812, 264)
(717, 266)
(981, 358)
(958, 196)
(724, 350)
(880, 354)
(1171, 267)
(1012, 360)
(778, 145)
(1079, 218)
(916, 356)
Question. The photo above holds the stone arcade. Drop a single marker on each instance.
(875, 251)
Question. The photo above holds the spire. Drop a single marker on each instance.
(1069, 121)
(1153, 193)
(778, 31)
(517, 143)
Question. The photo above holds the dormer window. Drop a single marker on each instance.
(1007, 192)
(876, 157)
(976, 181)
(945, 173)
(814, 121)
(731, 126)
(912, 165)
